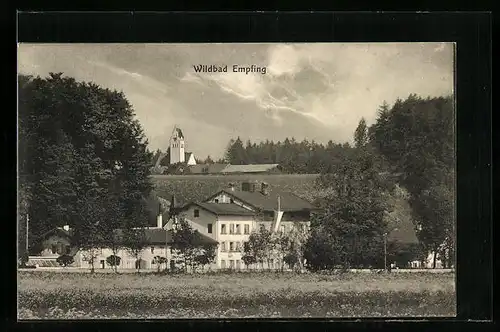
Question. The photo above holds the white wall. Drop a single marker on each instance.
(191, 160)
(176, 149)
(128, 261)
(227, 255)
(201, 223)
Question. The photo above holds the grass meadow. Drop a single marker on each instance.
(53, 295)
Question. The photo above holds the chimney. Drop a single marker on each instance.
(159, 221)
(159, 217)
(66, 228)
(264, 188)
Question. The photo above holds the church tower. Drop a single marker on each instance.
(177, 153)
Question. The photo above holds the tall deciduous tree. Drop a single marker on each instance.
(416, 135)
(349, 230)
(80, 145)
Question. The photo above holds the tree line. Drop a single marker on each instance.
(305, 157)
(84, 162)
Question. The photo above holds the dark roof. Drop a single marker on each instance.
(224, 209)
(159, 236)
(58, 231)
(207, 168)
(288, 201)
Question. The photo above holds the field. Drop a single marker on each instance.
(53, 295)
(199, 187)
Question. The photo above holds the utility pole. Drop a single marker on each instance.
(27, 231)
(385, 251)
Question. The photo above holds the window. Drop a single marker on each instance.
(238, 246)
(231, 246)
(223, 228)
(238, 264)
(54, 248)
(223, 246)
(223, 264)
(247, 229)
(246, 246)
(152, 250)
(209, 230)
(196, 213)
(67, 250)
(271, 263)
(238, 229)
(216, 200)
(231, 264)
(231, 228)
(182, 145)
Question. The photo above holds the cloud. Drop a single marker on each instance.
(316, 91)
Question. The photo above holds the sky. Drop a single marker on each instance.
(316, 91)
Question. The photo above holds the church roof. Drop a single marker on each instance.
(179, 132)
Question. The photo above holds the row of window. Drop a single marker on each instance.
(176, 145)
(283, 227)
(232, 246)
(233, 264)
(235, 229)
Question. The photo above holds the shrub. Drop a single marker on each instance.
(65, 260)
(113, 261)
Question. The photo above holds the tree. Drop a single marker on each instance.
(135, 242)
(349, 230)
(187, 245)
(159, 261)
(206, 255)
(114, 261)
(78, 142)
(248, 259)
(361, 134)
(235, 153)
(258, 248)
(417, 137)
(65, 260)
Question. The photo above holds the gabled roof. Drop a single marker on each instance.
(223, 209)
(257, 168)
(288, 201)
(57, 231)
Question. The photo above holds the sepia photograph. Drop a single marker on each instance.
(236, 180)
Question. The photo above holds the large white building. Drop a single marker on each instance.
(226, 219)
